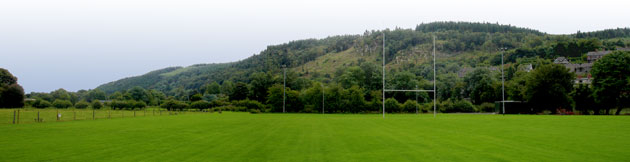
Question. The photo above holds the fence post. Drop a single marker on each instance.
(57, 114)
(38, 120)
(14, 116)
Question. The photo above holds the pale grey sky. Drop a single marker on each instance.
(80, 44)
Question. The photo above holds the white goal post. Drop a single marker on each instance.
(407, 90)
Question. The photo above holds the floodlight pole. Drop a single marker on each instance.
(434, 89)
(383, 74)
(284, 91)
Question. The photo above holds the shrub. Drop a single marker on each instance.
(118, 104)
(201, 104)
(463, 106)
(41, 104)
(392, 105)
(486, 107)
(138, 105)
(410, 106)
(62, 103)
(81, 104)
(254, 111)
(96, 104)
(174, 104)
(249, 104)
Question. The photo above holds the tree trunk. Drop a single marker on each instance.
(607, 111)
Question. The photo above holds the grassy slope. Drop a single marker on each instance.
(316, 137)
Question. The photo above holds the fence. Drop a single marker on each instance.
(29, 115)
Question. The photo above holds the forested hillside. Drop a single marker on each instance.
(468, 63)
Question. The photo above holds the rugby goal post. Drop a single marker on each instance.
(408, 90)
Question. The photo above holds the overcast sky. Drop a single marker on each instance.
(80, 44)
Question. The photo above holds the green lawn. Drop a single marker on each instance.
(317, 137)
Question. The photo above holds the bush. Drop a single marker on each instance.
(118, 104)
(138, 104)
(249, 104)
(81, 104)
(201, 104)
(486, 107)
(62, 103)
(458, 106)
(41, 104)
(174, 104)
(410, 106)
(254, 111)
(96, 104)
(392, 105)
(463, 106)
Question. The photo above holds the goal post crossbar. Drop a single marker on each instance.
(394, 90)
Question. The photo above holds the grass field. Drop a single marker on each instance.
(316, 137)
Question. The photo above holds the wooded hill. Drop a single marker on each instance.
(460, 46)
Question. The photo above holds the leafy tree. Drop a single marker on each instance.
(275, 99)
(213, 88)
(240, 91)
(11, 93)
(549, 86)
(11, 96)
(356, 100)
(81, 104)
(584, 100)
(58, 103)
(138, 94)
(227, 87)
(96, 104)
(116, 96)
(479, 85)
(313, 96)
(260, 84)
(60, 94)
(96, 94)
(611, 80)
(196, 97)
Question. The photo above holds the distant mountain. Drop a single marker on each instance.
(461, 43)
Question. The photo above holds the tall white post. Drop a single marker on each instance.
(434, 89)
(383, 74)
(284, 91)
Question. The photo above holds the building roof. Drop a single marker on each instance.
(597, 53)
(561, 60)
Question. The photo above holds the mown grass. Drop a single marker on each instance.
(316, 137)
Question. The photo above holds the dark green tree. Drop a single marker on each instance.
(239, 92)
(548, 87)
(611, 81)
